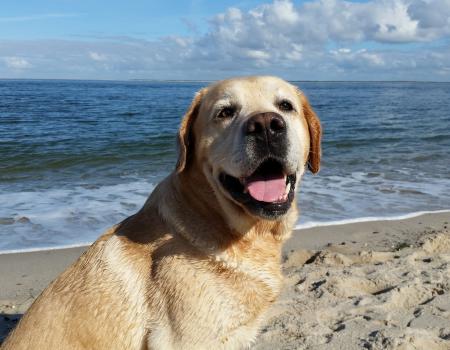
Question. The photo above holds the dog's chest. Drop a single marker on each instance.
(215, 305)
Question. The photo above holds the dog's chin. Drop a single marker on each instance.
(267, 193)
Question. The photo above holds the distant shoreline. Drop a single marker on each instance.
(213, 80)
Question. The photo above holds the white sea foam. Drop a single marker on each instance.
(329, 197)
(61, 217)
(311, 224)
(303, 226)
(40, 249)
(67, 216)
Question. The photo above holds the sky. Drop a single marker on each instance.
(209, 40)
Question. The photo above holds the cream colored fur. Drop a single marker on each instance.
(192, 269)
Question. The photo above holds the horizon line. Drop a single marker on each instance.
(213, 80)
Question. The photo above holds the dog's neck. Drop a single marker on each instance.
(188, 204)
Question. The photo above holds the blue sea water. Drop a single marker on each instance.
(79, 156)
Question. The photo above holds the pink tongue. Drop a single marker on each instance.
(267, 189)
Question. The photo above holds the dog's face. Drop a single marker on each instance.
(252, 138)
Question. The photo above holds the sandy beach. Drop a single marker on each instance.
(366, 285)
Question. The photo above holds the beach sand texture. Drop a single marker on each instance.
(367, 285)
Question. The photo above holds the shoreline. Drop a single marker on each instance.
(310, 257)
(297, 227)
(312, 224)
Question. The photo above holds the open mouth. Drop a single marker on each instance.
(268, 192)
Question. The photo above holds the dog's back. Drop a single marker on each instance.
(72, 314)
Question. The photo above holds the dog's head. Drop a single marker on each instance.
(252, 138)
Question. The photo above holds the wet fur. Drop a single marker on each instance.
(190, 270)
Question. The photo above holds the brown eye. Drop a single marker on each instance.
(285, 105)
(227, 112)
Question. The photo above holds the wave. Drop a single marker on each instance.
(312, 224)
(61, 216)
(42, 249)
(303, 226)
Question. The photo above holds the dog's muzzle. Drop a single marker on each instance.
(266, 133)
(267, 192)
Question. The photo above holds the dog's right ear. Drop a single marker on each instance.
(315, 134)
(185, 135)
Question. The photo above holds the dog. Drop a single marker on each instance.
(199, 265)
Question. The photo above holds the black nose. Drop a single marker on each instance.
(265, 124)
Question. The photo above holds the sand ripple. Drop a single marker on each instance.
(347, 298)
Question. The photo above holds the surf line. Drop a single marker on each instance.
(311, 224)
(305, 225)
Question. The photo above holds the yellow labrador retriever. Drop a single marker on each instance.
(199, 264)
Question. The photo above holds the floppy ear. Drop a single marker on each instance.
(315, 134)
(185, 135)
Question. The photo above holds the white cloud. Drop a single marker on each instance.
(318, 39)
(432, 16)
(257, 54)
(95, 56)
(392, 23)
(280, 11)
(16, 63)
(346, 57)
(316, 22)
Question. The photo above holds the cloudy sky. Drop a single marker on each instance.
(201, 39)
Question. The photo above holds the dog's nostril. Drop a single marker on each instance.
(255, 126)
(277, 124)
(265, 123)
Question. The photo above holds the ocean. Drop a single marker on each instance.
(78, 156)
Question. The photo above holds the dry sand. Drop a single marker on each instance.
(372, 285)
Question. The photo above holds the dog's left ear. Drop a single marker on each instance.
(315, 134)
(185, 135)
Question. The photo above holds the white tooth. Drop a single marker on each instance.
(288, 188)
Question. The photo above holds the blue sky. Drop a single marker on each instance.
(141, 18)
(305, 40)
